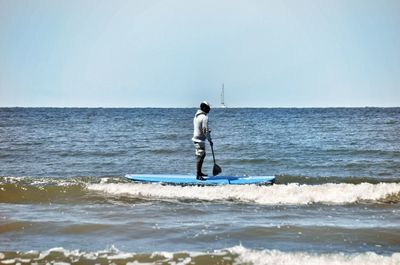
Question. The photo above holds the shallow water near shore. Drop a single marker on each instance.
(64, 198)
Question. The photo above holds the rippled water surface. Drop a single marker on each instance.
(64, 198)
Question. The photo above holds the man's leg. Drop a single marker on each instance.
(200, 155)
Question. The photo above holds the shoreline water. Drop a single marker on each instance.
(234, 255)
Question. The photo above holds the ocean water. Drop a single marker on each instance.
(64, 200)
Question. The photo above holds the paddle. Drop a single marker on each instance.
(216, 169)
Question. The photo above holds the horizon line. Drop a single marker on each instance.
(190, 107)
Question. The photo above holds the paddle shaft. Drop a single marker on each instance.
(216, 169)
(212, 150)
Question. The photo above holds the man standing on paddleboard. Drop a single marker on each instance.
(200, 134)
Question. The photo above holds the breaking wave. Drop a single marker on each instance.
(234, 255)
(89, 189)
(292, 194)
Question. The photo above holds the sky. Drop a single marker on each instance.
(177, 53)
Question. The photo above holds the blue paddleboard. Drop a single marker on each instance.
(191, 179)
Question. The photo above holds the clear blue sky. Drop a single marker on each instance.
(138, 53)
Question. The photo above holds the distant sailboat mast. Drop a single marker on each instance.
(223, 97)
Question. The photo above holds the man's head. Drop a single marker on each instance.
(204, 106)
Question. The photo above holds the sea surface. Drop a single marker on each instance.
(64, 199)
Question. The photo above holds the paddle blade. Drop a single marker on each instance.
(216, 170)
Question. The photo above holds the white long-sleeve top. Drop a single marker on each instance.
(201, 130)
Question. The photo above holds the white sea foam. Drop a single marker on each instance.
(272, 257)
(236, 254)
(277, 194)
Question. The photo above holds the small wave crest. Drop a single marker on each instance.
(286, 179)
(290, 194)
(250, 256)
(234, 255)
(44, 190)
